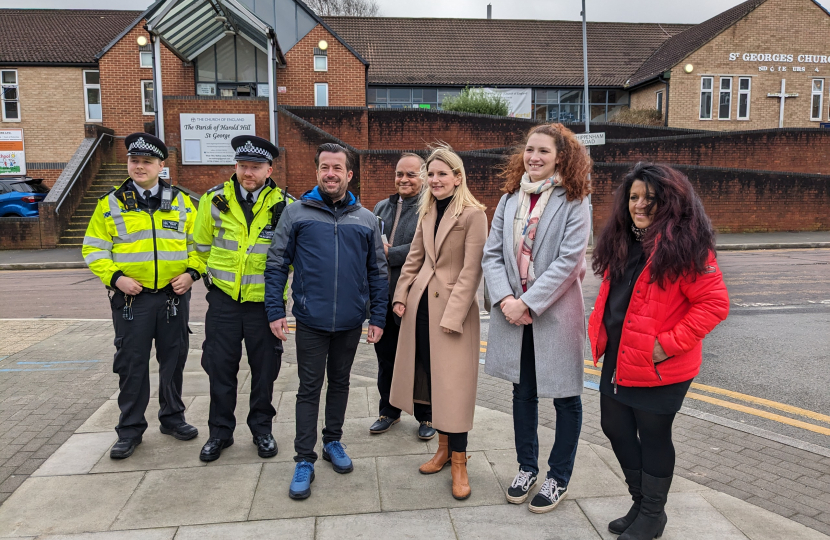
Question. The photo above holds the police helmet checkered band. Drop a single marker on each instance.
(141, 145)
(249, 148)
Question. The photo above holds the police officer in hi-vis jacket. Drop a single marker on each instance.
(139, 243)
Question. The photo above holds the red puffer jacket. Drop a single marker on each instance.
(679, 317)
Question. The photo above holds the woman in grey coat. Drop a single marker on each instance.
(534, 263)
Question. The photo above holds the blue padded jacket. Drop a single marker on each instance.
(339, 265)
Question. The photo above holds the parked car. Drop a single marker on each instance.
(19, 196)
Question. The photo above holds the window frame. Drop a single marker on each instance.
(703, 92)
(140, 58)
(813, 95)
(3, 99)
(659, 104)
(321, 85)
(143, 109)
(728, 93)
(88, 86)
(748, 94)
(321, 56)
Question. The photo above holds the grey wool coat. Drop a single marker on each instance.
(555, 298)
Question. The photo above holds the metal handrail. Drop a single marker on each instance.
(79, 170)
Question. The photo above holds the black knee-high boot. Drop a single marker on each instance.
(633, 479)
(651, 521)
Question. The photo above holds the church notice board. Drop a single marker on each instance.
(12, 154)
(206, 138)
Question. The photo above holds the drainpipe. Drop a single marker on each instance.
(664, 78)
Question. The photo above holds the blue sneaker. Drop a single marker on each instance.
(335, 453)
(301, 483)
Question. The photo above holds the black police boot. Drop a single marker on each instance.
(183, 432)
(632, 478)
(213, 448)
(651, 521)
(124, 447)
(266, 446)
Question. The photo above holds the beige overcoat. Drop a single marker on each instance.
(447, 267)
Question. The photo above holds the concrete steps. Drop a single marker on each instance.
(109, 176)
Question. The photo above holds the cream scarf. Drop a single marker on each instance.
(525, 222)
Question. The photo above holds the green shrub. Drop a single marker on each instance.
(476, 100)
(645, 117)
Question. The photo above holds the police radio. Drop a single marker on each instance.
(166, 199)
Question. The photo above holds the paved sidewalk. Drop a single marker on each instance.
(163, 491)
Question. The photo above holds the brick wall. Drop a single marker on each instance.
(346, 75)
(19, 233)
(796, 150)
(200, 178)
(796, 27)
(121, 88)
(52, 121)
(48, 175)
(736, 200)
(646, 97)
(349, 124)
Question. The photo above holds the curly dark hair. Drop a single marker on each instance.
(678, 241)
(574, 166)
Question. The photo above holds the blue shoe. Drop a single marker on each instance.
(301, 483)
(335, 453)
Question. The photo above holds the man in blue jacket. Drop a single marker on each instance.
(335, 248)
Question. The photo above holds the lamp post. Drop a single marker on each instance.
(587, 104)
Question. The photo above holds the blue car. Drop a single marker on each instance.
(19, 196)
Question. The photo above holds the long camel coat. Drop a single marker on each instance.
(447, 267)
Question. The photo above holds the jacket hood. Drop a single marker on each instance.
(314, 195)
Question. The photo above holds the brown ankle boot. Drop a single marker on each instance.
(441, 457)
(460, 482)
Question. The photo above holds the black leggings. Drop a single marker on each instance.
(653, 451)
(457, 441)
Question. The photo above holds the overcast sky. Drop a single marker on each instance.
(598, 10)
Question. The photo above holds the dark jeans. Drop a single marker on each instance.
(386, 349)
(227, 324)
(133, 341)
(526, 421)
(457, 441)
(640, 439)
(313, 348)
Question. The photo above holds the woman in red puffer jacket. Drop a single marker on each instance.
(661, 293)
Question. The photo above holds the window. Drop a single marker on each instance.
(660, 101)
(233, 67)
(92, 95)
(146, 59)
(706, 98)
(725, 101)
(321, 63)
(11, 95)
(148, 105)
(321, 95)
(817, 99)
(744, 90)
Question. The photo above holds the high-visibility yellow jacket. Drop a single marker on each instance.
(151, 247)
(234, 255)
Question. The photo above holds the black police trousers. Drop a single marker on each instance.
(227, 324)
(133, 341)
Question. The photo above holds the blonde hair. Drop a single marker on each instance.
(462, 196)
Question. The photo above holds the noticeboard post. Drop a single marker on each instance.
(12, 155)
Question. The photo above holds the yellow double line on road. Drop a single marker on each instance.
(796, 411)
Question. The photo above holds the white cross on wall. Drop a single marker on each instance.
(783, 95)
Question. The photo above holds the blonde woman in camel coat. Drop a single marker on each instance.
(438, 349)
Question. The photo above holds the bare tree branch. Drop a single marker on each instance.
(353, 8)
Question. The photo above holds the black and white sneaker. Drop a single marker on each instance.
(548, 497)
(520, 488)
